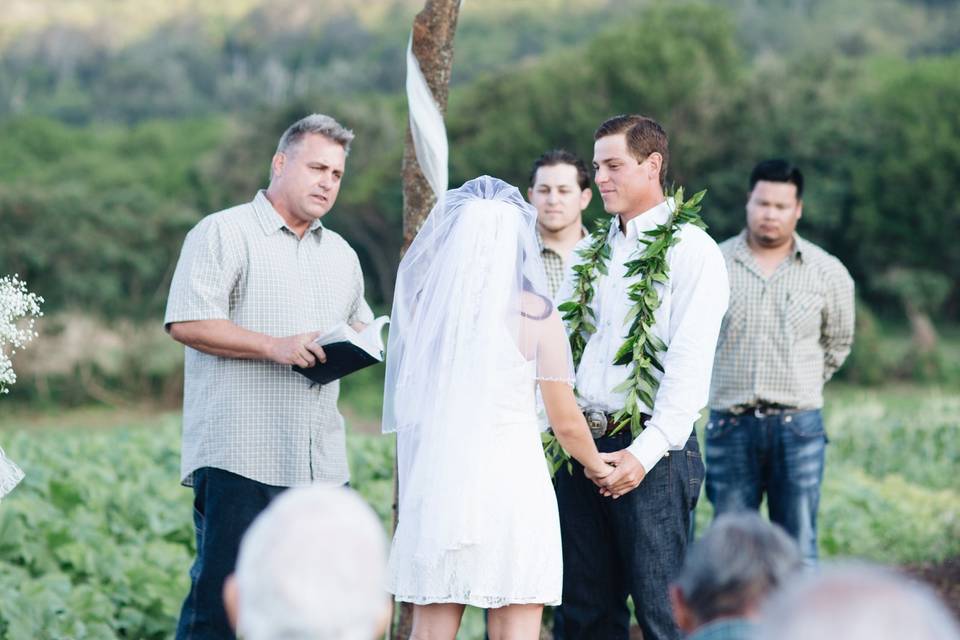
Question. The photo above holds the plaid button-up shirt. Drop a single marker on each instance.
(257, 418)
(783, 336)
(553, 264)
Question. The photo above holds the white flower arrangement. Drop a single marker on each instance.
(19, 310)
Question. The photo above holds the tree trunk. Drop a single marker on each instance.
(433, 31)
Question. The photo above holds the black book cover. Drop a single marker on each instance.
(343, 358)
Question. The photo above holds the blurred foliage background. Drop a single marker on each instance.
(122, 123)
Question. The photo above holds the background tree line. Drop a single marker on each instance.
(116, 136)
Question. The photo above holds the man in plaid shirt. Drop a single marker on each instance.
(254, 286)
(788, 328)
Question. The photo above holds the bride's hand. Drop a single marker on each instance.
(598, 473)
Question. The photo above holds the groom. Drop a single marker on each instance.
(628, 537)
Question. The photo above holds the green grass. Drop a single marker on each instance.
(97, 541)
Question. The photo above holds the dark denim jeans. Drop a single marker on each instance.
(224, 505)
(633, 546)
(780, 454)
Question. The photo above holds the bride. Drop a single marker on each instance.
(473, 336)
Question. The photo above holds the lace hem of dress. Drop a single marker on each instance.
(482, 602)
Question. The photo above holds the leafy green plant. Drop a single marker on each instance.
(98, 540)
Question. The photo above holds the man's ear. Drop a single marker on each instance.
(529, 194)
(277, 164)
(799, 209)
(585, 196)
(684, 618)
(656, 162)
(231, 600)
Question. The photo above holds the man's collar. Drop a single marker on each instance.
(646, 221)
(540, 245)
(742, 249)
(270, 220)
(719, 626)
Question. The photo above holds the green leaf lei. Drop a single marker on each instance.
(642, 348)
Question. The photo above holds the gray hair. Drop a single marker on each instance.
(857, 602)
(319, 124)
(740, 560)
(312, 565)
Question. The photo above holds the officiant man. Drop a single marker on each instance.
(254, 285)
(628, 537)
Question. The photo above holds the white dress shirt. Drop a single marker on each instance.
(692, 306)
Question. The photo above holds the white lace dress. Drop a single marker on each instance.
(511, 552)
(10, 475)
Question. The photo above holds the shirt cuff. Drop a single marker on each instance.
(649, 447)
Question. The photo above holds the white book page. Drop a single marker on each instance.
(371, 338)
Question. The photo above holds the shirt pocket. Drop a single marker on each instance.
(801, 310)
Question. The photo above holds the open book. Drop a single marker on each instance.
(347, 351)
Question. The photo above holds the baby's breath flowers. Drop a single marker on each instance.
(19, 310)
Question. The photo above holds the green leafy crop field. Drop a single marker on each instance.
(97, 541)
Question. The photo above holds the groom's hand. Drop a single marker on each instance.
(625, 478)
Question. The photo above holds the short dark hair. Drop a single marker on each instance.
(777, 170)
(644, 136)
(562, 156)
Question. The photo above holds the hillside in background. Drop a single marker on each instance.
(123, 123)
(128, 60)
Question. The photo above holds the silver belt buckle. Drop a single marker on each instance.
(597, 421)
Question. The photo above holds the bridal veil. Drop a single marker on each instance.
(471, 306)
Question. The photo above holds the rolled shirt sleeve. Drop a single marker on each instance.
(207, 272)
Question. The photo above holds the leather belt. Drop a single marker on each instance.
(762, 409)
(602, 424)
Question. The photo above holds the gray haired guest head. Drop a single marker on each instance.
(319, 124)
(731, 569)
(857, 602)
(312, 565)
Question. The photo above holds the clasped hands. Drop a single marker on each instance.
(622, 475)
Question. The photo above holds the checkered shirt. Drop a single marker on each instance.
(553, 263)
(784, 336)
(256, 418)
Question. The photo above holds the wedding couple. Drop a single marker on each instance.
(475, 336)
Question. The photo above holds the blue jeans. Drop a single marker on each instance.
(780, 454)
(224, 506)
(633, 546)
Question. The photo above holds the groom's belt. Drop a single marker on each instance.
(602, 424)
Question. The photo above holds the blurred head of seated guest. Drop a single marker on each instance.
(728, 574)
(856, 602)
(312, 566)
